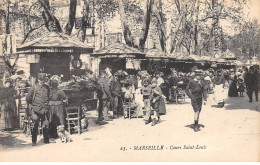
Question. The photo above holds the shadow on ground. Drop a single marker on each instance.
(11, 140)
(234, 103)
(192, 126)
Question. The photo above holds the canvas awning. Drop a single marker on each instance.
(55, 42)
(228, 55)
(157, 54)
(118, 50)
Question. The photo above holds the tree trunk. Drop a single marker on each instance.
(175, 34)
(146, 23)
(196, 28)
(72, 15)
(161, 27)
(6, 57)
(51, 22)
(7, 26)
(85, 20)
(126, 30)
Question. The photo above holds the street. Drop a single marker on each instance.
(228, 134)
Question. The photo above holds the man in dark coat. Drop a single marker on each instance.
(252, 84)
(116, 93)
(38, 97)
(173, 84)
(106, 96)
(196, 90)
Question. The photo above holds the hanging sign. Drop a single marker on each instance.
(33, 58)
(133, 64)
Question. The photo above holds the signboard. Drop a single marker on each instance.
(33, 58)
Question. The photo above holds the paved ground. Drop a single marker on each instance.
(229, 134)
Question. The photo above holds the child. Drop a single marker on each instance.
(241, 86)
(146, 91)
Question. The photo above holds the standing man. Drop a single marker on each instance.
(116, 93)
(38, 97)
(106, 95)
(196, 91)
(252, 84)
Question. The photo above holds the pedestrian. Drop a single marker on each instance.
(106, 96)
(196, 91)
(9, 119)
(156, 95)
(160, 80)
(219, 90)
(241, 85)
(173, 81)
(253, 84)
(58, 101)
(232, 91)
(146, 91)
(38, 97)
(116, 93)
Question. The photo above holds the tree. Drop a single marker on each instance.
(72, 15)
(247, 39)
(145, 26)
(51, 22)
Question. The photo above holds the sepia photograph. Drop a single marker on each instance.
(129, 80)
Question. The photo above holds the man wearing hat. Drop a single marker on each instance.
(105, 97)
(196, 90)
(38, 97)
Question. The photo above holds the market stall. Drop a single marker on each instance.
(57, 54)
(182, 62)
(157, 61)
(119, 56)
(54, 53)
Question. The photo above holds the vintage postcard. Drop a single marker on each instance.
(129, 80)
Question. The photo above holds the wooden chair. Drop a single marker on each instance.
(180, 96)
(128, 110)
(73, 119)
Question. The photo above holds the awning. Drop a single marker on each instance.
(118, 50)
(157, 54)
(55, 42)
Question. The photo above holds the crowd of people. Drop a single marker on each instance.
(145, 94)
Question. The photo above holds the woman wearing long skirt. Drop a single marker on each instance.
(232, 91)
(57, 112)
(9, 119)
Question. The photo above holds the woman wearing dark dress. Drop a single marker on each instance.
(232, 91)
(9, 117)
(57, 113)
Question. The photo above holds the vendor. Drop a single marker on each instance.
(9, 116)
(57, 112)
